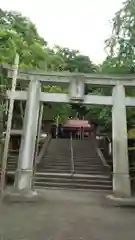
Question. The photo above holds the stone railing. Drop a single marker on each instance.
(43, 149)
(104, 144)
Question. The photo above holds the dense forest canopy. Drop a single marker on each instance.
(19, 34)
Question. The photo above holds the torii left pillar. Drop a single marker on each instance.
(24, 173)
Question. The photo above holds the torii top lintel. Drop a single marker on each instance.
(66, 77)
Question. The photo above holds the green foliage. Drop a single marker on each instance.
(22, 26)
(7, 46)
(19, 34)
(121, 45)
(121, 48)
(74, 61)
(56, 110)
(113, 65)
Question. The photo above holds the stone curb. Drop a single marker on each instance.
(22, 197)
(121, 201)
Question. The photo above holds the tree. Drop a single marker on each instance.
(19, 34)
(15, 22)
(54, 110)
(121, 45)
(121, 48)
(74, 61)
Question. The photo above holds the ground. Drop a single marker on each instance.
(67, 215)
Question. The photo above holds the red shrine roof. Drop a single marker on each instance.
(77, 123)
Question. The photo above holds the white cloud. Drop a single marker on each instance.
(78, 24)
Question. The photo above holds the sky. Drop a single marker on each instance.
(77, 24)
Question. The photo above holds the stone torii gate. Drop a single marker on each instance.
(76, 83)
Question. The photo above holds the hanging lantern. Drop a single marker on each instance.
(76, 90)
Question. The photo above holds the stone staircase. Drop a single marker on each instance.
(57, 159)
(55, 168)
(86, 159)
(11, 167)
(12, 162)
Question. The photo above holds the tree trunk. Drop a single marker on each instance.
(1, 135)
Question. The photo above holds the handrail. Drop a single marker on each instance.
(107, 149)
(108, 138)
(57, 126)
(102, 158)
(109, 145)
(72, 155)
(40, 156)
(43, 150)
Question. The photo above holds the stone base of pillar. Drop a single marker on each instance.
(23, 180)
(22, 196)
(121, 201)
(121, 185)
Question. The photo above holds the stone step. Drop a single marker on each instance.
(52, 164)
(83, 168)
(96, 172)
(55, 163)
(55, 166)
(68, 164)
(13, 160)
(86, 158)
(73, 186)
(74, 180)
(57, 155)
(88, 161)
(12, 166)
(58, 159)
(84, 146)
(11, 163)
(50, 170)
(81, 160)
(88, 165)
(50, 159)
(58, 170)
(77, 176)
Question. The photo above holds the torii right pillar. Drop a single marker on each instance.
(121, 178)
